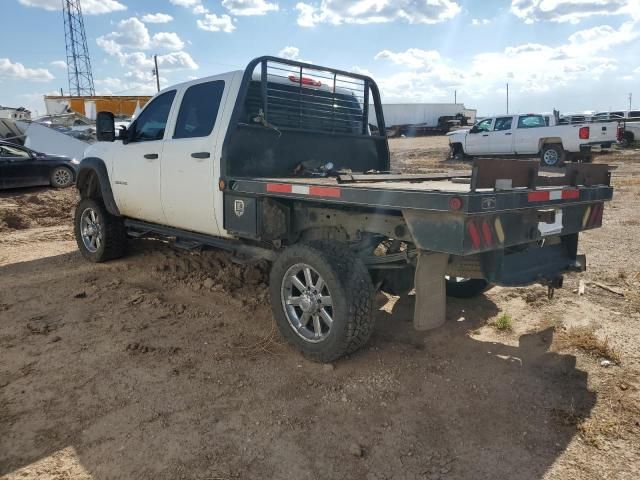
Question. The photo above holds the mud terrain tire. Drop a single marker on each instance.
(110, 229)
(349, 288)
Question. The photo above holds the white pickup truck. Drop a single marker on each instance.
(532, 135)
(279, 163)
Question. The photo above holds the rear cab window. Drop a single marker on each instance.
(305, 107)
(199, 110)
(531, 121)
(503, 123)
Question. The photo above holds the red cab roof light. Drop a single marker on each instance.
(305, 81)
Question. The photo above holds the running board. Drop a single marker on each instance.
(192, 240)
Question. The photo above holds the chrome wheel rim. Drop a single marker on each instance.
(62, 177)
(550, 157)
(307, 303)
(91, 230)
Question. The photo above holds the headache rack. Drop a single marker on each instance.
(289, 113)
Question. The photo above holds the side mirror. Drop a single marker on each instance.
(105, 127)
(474, 129)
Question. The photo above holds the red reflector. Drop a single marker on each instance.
(474, 235)
(305, 81)
(325, 191)
(570, 194)
(596, 215)
(539, 196)
(455, 203)
(583, 133)
(278, 188)
(487, 236)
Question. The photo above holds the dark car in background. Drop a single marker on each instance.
(22, 167)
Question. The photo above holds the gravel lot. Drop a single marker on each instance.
(167, 365)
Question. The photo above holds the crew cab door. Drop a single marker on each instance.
(528, 133)
(136, 163)
(191, 155)
(478, 142)
(501, 138)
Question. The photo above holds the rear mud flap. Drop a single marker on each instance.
(431, 295)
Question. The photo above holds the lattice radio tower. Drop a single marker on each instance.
(78, 61)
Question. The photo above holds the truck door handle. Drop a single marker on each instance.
(485, 134)
(201, 155)
(150, 156)
(507, 133)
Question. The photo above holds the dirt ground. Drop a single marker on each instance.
(167, 365)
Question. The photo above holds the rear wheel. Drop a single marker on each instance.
(627, 139)
(61, 177)
(100, 236)
(322, 299)
(460, 287)
(552, 155)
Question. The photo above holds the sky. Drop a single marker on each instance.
(573, 55)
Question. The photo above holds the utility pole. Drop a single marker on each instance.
(155, 72)
(455, 96)
(507, 98)
(630, 98)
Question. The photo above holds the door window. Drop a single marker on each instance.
(503, 123)
(199, 110)
(634, 114)
(7, 151)
(152, 121)
(531, 121)
(485, 125)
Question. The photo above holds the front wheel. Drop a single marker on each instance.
(322, 299)
(61, 177)
(100, 236)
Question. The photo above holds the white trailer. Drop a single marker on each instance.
(421, 118)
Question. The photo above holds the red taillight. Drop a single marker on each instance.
(474, 234)
(619, 133)
(583, 133)
(305, 81)
(487, 236)
(455, 203)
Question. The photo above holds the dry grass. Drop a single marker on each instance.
(585, 339)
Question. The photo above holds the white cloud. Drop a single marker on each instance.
(337, 12)
(249, 7)
(89, 7)
(480, 21)
(157, 18)
(167, 40)
(185, 3)
(200, 10)
(292, 53)
(572, 11)
(17, 71)
(531, 67)
(171, 61)
(133, 34)
(214, 23)
(412, 57)
(59, 64)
